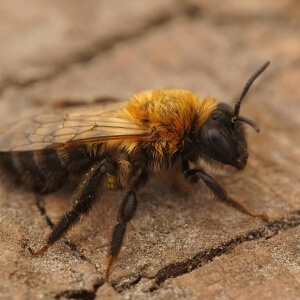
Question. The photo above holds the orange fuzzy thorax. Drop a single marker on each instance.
(173, 113)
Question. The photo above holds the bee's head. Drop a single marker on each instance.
(223, 140)
(222, 136)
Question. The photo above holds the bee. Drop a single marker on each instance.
(121, 144)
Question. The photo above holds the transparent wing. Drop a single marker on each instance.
(79, 127)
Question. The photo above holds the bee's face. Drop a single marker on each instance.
(223, 140)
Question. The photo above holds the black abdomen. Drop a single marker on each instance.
(44, 170)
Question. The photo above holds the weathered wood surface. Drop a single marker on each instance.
(83, 50)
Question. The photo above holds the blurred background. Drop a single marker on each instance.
(85, 49)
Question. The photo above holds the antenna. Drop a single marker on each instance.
(246, 88)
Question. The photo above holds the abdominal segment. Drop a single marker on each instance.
(45, 170)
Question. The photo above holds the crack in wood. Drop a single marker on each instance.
(197, 261)
(41, 207)
(82, 294)
(77, 294)
(267, 231)
(40, 203)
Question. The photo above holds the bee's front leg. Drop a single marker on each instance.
(86, 195)
(193, 176)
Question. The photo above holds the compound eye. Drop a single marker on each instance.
(220, 145)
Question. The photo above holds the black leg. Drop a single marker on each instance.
(127, 210)
(86, 195)
(193, 176)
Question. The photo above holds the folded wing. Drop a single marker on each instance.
(58, 130)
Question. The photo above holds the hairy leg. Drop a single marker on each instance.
(193, 176)
(85, 196)
(139, 176)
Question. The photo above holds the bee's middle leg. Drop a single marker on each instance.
(86, 195)
(139, 176)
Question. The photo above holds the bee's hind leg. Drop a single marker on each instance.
(86, 195)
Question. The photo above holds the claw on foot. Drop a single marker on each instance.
(264, 217)
(110, 264)
(39, 252)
